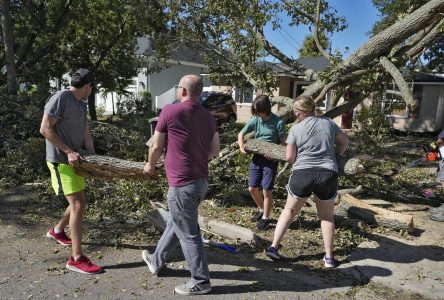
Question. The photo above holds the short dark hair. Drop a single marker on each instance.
(81, 77)
(261, 104)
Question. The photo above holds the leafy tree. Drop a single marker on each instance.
(435, 55)
(230, 32)
(8, 46)
(309, 47)
(65, 35)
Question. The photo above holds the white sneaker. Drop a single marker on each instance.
(190, 289)
(147, 258)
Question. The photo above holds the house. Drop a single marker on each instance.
(427, 113)
(290, 82)
(186, 60)
(161, 83)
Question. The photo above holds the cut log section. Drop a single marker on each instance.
(97, 166)
(351, 207)
(346, 165)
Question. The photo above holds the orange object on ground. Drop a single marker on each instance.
(432, 156)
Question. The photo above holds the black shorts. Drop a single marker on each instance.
(321, 182)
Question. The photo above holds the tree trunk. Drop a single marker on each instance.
(8, 39)
(346, 165)
(380, 45)
(92, 105)
(351, 207)
(96, 166)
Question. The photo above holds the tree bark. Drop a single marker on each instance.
(381, 45)
(399, 79)
(8, 39)
(351, 207)
(97, 166)
(346, 165)
(92, 105)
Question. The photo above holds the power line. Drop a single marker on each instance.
(287, 40)
(300, 45)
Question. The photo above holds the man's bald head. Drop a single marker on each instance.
(193, 84)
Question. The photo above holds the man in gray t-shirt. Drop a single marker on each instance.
(65, 128)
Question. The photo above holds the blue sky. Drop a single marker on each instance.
(360, 16)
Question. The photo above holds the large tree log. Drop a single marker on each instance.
(379, 45)
(97, 166)
(346, 165)
(351, 207)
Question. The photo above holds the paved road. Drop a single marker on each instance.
(32, 267)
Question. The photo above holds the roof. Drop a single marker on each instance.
(183, 53)
(317, 64)
(428, 77)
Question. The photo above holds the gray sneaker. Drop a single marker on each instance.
(189, 289)
(147, 258)
(438, 209)
(439, 216)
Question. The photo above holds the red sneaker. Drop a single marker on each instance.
(82, 265)
(60, 238)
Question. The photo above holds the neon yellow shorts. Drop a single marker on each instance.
(64, 179)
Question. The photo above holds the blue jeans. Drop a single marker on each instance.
(183, 227)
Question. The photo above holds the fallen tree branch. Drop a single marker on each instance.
(351, 207)
(404, 89)
(346, 165)
(97, 166)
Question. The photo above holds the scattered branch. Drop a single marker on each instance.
(399, 79)
(316, 33)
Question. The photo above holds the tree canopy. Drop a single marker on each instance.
(309, 47)
(54, 37)
(392, 11)
(101, 35)
(231, 32)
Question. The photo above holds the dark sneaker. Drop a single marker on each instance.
(147, 258)
(257, 216)
(329, 262)
(263, 224)
(196, 289)
(273, 253)
(82, 265)
(60, 238)
(439, 217)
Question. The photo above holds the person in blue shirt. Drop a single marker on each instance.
(266, 127)
(437, 214)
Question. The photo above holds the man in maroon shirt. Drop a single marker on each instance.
(189, 135)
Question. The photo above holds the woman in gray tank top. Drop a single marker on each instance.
(312, 146)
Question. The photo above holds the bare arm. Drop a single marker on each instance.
(241, 142)
(47, 130)
(215, 146)
(282, 141)
(155, 151)
(290, 153)
(88, 142)
(341, 142)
